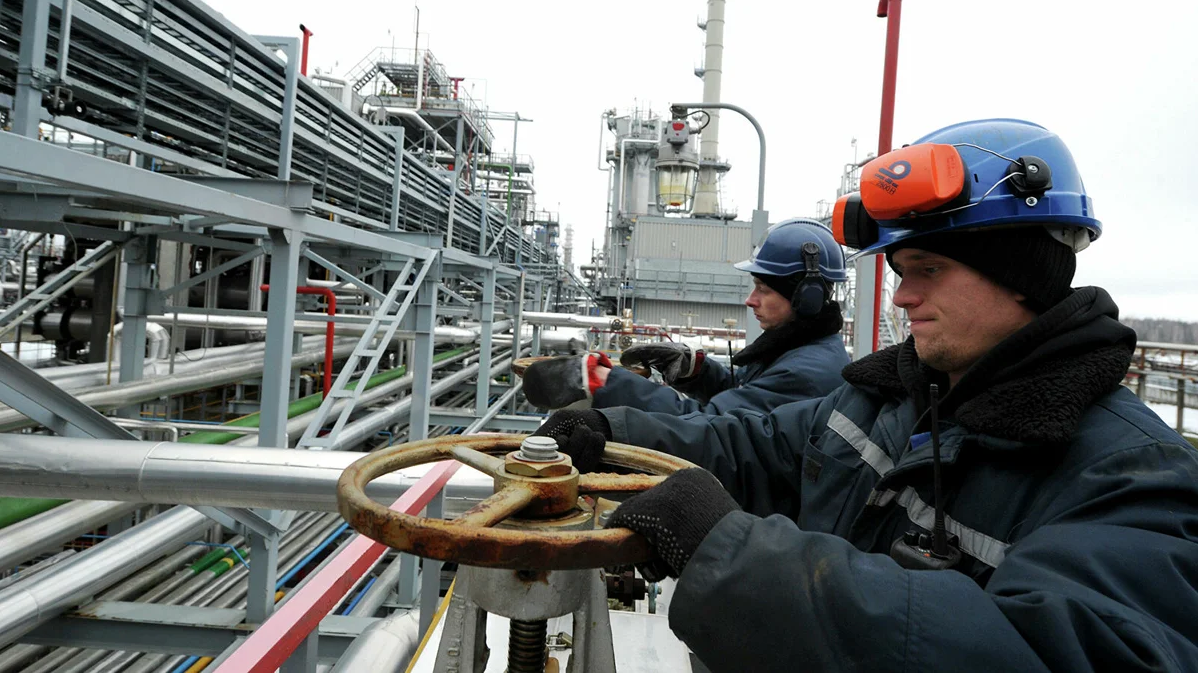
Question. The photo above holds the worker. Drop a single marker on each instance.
(985, 496)
(798, 356)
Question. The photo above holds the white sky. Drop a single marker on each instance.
(1116, 81)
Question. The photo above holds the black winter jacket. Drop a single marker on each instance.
(1076, 508)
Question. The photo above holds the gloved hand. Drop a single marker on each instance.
(580, 434)
(558, 382)
(675, 516)
(675, 361)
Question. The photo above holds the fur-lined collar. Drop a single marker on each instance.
(798, 332)
(1034, 386)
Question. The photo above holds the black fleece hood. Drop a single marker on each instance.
(1031, 387)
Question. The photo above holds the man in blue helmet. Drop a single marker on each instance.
(983, 497)
(798, 356)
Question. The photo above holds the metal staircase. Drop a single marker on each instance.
(371, 347)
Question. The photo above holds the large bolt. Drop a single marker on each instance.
(538, 457)
(539, 449)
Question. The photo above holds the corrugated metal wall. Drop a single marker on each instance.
(690, 241)
(655, 311)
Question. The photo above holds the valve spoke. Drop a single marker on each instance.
(597, 482)
(489, 465)
(509, 500)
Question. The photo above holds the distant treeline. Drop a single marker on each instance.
(1168, 331)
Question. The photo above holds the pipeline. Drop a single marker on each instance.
(386, 646)
(308, 404)
(49, 530)
(27, 604)
(298, 424)
(135, 392)
(441, 335)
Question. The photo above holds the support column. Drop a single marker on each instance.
(31, 65)
(517, 327)
(482, 390)
(280, 323)
(291, 48)
(430, 574)
(140, 255)
(539, 292)
(760, 222)
(397, 179)
(864, 317)
(453, 187)
(422, 352)
(264, 574)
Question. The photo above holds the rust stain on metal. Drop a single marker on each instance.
(527, 548)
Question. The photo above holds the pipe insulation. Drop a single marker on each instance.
(442, 334)
(50, 530)
(26, 604)
(135, 392)
(195, 474)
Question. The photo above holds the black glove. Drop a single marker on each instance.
(675, 361)
(559, 382)
(674, 517)
(580, 434)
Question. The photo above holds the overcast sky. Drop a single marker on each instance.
(1116, 82)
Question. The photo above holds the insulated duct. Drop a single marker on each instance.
(195, 474)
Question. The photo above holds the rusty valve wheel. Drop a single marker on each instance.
(536, 487)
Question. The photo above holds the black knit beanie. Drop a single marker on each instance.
(1027, 260)
(783, 285)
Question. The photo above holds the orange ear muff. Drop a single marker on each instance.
(914, 179)
(851, 224)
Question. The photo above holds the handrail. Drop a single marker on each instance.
(278, 637)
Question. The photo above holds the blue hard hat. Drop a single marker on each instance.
(781, 253)
(994, 199)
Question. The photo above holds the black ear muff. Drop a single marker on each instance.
(852, 226)
(811, 294)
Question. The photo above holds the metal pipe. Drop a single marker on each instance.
(64, 38)
(82, 376)
(366, 427)
(297, 425)
(386, 646)
(442, 334)
(377, 594)
(22, 541)
(198, 474)
(153, 575)
(760, 139)
(623, 149)
(330, 300)
(45, 564)
(571, 320)
(494, 408)
(26, 605)
(135, 392)
(17, 656)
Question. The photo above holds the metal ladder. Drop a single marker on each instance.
(62, 281)
(382, 326)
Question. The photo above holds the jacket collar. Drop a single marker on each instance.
(1031, 388)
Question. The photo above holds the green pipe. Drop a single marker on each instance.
(301, 406)
(13, 510)
(208, 559)
(229, 561)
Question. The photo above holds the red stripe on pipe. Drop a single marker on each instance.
(280, 635)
